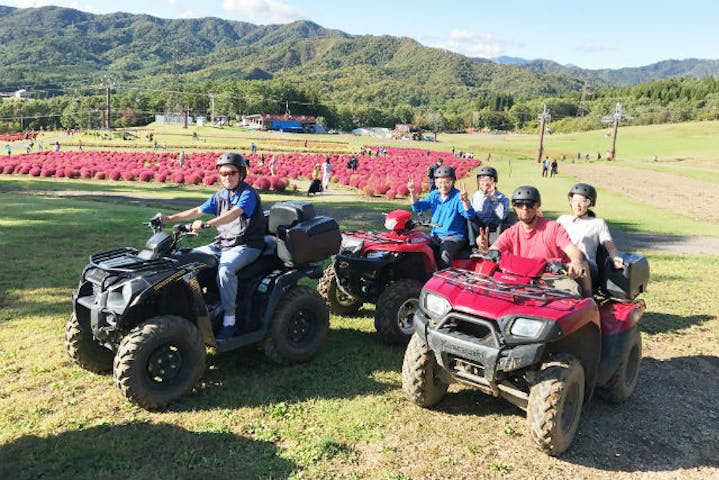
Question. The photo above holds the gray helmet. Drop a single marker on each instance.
(231, 158)
(489, 172)
(586, 190)
(526, 194)
(445, 171)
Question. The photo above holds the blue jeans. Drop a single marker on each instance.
(231, 261)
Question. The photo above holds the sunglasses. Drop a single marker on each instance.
(524, 205)
(229, 173)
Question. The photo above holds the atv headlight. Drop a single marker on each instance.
(526, 327)
(436, 305)
(351, 244)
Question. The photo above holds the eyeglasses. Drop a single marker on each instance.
(230, 173)
(580, 200)
(524, 205)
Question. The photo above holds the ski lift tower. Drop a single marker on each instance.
(616, 118)
(544, 117)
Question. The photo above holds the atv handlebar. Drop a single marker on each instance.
(491, 254)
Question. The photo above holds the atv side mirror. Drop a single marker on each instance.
(155, 222)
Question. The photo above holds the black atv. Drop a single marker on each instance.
(147, 315)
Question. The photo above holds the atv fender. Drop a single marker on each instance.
(186, 279)
(282, 284)
(614, 350)
(585, 344)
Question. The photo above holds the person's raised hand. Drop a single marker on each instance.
(483, 238)
(410, 185)
(463, 193)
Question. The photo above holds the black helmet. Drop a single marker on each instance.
(231, 158)
(526, 194)
(586, 190)
(489, 172)
(445, 171)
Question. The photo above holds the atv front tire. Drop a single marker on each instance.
(421, 379)
(555, 403)
(394, 315)
(298, 328)
(159, 361)
(622, 384)
(337, 301)
(84, 350)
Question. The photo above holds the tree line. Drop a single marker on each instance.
(663, 101)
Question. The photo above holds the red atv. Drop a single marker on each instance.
(511, 329)
(387, 269)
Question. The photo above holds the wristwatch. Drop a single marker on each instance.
(205, 225)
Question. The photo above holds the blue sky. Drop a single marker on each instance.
(606, 34)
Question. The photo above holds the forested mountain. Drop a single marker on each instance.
(624, 77)
(173, 65)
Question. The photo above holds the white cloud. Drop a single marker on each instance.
(262, 11)
(593, 48)
(472, 44)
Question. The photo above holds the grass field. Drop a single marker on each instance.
(343, 415)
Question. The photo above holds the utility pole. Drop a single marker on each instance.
(616, 118)
(544, 117)
(108, 106)
(212, 107)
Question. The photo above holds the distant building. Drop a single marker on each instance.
(407, 130)
(171, 119)
(285, 123)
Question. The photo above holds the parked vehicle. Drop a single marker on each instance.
(386, 269)
(148, 315)
(512, 330)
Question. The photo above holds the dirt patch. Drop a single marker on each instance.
(682, 195)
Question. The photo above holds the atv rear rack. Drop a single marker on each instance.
(127, 260)
(374, 237)
(476, 281)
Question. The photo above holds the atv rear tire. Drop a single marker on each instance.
(159, 361)
(394, 315)
(622, 384)
(555, 403)
(337, 301)
(298, 327)
(420, 374)
(84, 350)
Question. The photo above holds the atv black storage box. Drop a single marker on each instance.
(289, 214)
(627, 283)
(309, 241)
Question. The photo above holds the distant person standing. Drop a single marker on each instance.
(8, 149)
(56, 147)
(181, 159)
(431, 171)
(273, 164)
(554, 170)
(326, 173)
(545, 166)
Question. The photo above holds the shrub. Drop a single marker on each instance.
(146, 176)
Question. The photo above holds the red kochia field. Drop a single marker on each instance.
(377, 175)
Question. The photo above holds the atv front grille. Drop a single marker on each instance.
(127, 260)
(469, 329)
(482, 283)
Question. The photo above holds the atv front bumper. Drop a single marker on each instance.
(472, 350)
(361, 277)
